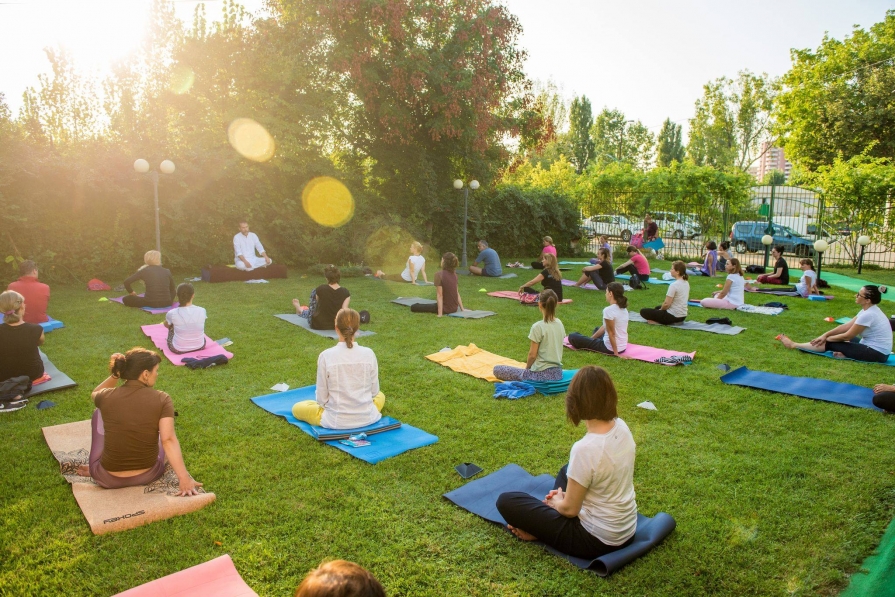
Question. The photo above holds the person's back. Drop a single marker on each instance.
(737, 296)
(490, 262)
(549, 336)
(347, 381)
(419, 263)
(620, 317)
(447, 279)
(159, 285)
(189, 327)
(19, 353)
(131, 415)
(37, 294)
(877, 333)
(329, 301)
(642, 265)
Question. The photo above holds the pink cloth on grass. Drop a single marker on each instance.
(647, 354)
(153, 310)
(215, 578)
(588, 286)
(158, 333)
(514, 294)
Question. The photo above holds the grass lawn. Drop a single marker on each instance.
(773, 495)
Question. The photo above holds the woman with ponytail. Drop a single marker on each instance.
(19, 355)
(612, 336)
(133, 427)
(550, 277)
(545, 352)
(674, 309)
(186, 323)
(732, 295)
(348, 393)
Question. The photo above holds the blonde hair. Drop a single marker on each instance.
(416, 247)
(548, 240)
(11, 304)
(552, 267)
(152, 258)
(348, 322)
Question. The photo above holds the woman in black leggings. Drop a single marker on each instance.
(674, 308)
(884, 397)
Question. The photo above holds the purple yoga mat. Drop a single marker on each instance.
(153, 310)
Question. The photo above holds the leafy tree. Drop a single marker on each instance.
(732, 118)
(838, 98)
(580, 122)
(775, 177)
(620, 140)
(670, 147)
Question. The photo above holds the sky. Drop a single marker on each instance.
(647, 58)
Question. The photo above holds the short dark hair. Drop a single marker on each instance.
(483, 242)
(591, 395)
(779, 248)
(332, 273)
(711, 245)
(873, 294)
(725, 245)
(27, 267)
(185, 292)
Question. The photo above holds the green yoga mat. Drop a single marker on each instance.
(849, 283)
(876, 578)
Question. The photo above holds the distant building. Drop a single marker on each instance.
(772, 158)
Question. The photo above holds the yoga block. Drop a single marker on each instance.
(222, 273)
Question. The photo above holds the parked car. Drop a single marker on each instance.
(746, 236)
(676, 225)
(613, 226)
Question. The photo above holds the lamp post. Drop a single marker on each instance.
(458, 184)
(166, 167)
(863, 240)
(767, 240)
(820, 246)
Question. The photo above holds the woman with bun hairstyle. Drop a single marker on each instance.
(133, 427)
(186, 323)
(326, 301)
(347, 395)
(612, 336)
(19, 340)
(674, 308)
(158, 281)
(544, 361)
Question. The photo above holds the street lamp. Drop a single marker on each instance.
(166, 167)
(767, 240)
(863, 240)
(820, 246)
(458, 184)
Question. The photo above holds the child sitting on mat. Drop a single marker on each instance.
(600, 273)
(446, 289)
(612, 336)
(591, 510)
(340, 578)
(733, 293)
(674, 308)
(870, 323)
(19, 340)
(545, 353)
(348, 393)
(186, 323)
(416, 264)
(550, 277)
(326, 300)
(133, 427)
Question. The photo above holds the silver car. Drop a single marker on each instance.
(612, 226)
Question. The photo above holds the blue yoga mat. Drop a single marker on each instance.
(804, 387)
(49, 325)
(480, 498)
(655, 245)
(829, 355)
(382, 445)
(554, 387)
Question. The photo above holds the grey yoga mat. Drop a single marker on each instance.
(480, 498)
(409, 301)
(714, 328)
(58, 381)
(472, 314)
(305, 324)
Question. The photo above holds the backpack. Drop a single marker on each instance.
(529, 299)
(634, 282)
(14, 387)
(776, 304)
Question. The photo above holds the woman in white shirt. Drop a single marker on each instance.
(733, 293)
(416, 265)
(591, 510)
(186, 323)
(612, 336)
(808, 284)
(674, 308)
(870, 323)
(348, 393)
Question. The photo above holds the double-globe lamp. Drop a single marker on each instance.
(458, 184)
(166, 167)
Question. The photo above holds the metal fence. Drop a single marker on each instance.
(793, 217)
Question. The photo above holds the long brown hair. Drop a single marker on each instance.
(737, 268)
(552, 267)
(348, 322)
(618, 293)
(681, 268)
(547, 299)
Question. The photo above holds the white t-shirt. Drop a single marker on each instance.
(347, 381)
(419, 262)
(189, 327)
(620, 317)
(245, 245)
(805, 285)
(604, 465)
(737, 296)
(878, 333)
(680, 291)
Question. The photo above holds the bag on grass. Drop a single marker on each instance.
(529, 299)
(634, 282)
(205, 363)
(776, 304)
(755, 269)
(14, 388)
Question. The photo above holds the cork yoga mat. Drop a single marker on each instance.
(112, 510)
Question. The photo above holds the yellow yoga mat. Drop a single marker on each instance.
(474, 361)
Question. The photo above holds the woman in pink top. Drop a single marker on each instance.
(549, 247)
(635, 265)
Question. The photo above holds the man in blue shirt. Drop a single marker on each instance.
(489, 260)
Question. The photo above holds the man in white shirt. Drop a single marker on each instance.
(245, 244)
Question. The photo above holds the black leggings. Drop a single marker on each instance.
(857, 351)
(132, 300)
(582, 342)
(567, 535)
(660, 316)
(885, 401)
(632, 270)
(597, 280)
(424, 308)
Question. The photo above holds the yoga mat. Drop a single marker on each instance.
(409, 301)
(514, 294)
(382, 445)
(714, 328)
(575, 263)
(829, 355)
(849, 283)
(49, 325)
(588, 286)
(158, 333)
(112, 510)
(58, 379)
(153, 310)
(648, 281)
(472, 314)
(473, 361)
(842, 320)
(875, 578)
(507, 276)
(655, 245)
(755, 309)
(306, 325)
(647, 354)
(480, 498)
(554, 387)
(804, 387)
(214, 578)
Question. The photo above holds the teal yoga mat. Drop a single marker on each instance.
(829, 355)
(850, 283)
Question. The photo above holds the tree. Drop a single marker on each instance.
(838, 99)
(620, 140)
(732, 118)
(670, 147)
(580, 122)
(775, 177)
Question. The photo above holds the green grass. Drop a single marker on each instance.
(773, 495)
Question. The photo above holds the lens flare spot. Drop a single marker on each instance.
(182, 79)
(328, 202)
(251, 140)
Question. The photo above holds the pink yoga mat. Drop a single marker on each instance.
(514, 294)
(647, 354)
(153, 310)
(588, 286)
(158, 333)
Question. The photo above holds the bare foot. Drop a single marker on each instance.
(379, 273)
(838, 355)
(651, 322)
(786, 341)
(83, 470)
(298, 308)
(521, 534)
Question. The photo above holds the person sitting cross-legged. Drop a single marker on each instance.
(159, 283)
(37, 294)
(447, 292)
(19, 340)
(732, 295)
(545, 353)
(245, 245)
(674, 308)
(348, 393)
(326, 301)
(591, 510)
(489, 260)
(612, 336)
(186, 323)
